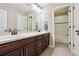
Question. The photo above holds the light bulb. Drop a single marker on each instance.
(34, 7)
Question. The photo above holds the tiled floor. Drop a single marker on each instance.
(59, 50)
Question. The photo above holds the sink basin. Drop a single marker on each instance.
(14, 36)
(17, 36)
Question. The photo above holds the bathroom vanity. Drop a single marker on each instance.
(32, 44)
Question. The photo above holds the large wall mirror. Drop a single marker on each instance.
(3, 20)
(24, 23)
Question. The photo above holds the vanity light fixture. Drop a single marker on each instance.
(36, 7)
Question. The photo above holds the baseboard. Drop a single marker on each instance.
(51, 46)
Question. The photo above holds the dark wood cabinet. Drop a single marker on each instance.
(29, 50)
(38, 45)
(32, 46)
(17, 52)
(44, 44)
(45, 41)
(39, 51)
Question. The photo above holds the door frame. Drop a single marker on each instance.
(72, 26)
(67, 5)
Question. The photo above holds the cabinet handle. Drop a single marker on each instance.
(21, 52)
(77, 32)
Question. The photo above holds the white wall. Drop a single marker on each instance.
(61, 29)
(48, 13)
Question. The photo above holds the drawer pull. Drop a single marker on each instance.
(22, 53)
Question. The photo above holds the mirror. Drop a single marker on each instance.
(20, 23)
(3, 20)
(24, 23)
(36, 26)
(12, 18)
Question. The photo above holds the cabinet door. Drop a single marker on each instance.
(38, 47)
(44, 44)
(47, 42)
(17, 52)
(38, 44)
(34, 48)
(28, 50)
(39, 51)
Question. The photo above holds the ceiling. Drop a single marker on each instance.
(26, 7)
(43, 4)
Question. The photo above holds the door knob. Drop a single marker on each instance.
(77, 32)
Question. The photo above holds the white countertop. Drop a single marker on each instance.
(10, 38)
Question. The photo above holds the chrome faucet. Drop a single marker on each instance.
(14, 32)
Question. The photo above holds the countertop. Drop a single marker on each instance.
(10, 38)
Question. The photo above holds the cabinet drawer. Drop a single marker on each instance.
(29, 50)
(9, 47)
(27, 41)
(38, 37)
(14, 53)
(45, 35)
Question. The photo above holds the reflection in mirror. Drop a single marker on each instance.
(46, 26)
(3, 20)
(21, 27)
(24, 23)
(29, 23)
(36, 26)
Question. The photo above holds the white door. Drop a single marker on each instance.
(76, 29)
